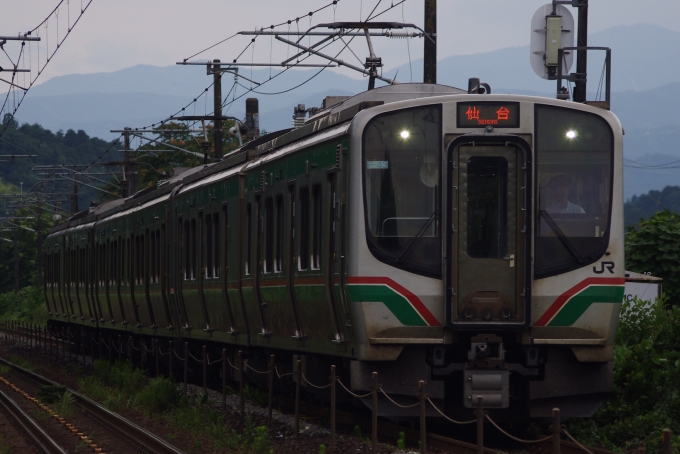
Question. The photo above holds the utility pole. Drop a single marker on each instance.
(74, 195)
(581, 55)
(129, 174)
(430, 45)
(217, 92)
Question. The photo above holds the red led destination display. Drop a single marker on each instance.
(488, 113)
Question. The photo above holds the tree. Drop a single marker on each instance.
(653, 246)
(9, 121)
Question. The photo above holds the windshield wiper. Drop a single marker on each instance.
(420, 233)
(563, 238)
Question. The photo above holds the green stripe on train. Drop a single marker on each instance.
(395, 302)
(579, 303)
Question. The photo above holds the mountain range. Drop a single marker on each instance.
(645, 94)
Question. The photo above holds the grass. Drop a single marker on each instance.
(4, 370)
(21, 362)
(401, 441)
(50, 394)
(119, 385)
(256, 395)
(64, 404)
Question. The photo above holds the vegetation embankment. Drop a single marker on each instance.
(120, 386)
(646, 395)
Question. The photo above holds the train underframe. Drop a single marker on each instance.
(517, 382)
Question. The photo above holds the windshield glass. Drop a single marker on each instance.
(574, 157)
(402, 153)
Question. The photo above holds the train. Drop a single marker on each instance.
(424, 232)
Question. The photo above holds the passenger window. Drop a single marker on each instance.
(209, 247)
(216, 245)
(316, 227)
(193, 249)
(138, 260)
(268, 235)
(225, 209)
(303, 256)
(278, 243)
(249, 234)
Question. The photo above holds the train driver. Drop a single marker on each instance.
(558, 192)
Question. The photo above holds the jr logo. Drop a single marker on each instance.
(609, 266)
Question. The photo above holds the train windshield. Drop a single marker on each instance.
(402, 183)
(574, 162)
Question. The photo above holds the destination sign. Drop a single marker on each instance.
(488, 113)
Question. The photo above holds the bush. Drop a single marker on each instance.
(653, 246)
(160, 396)
(28, 305)
(646, 394)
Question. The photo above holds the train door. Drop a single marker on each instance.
(486, 267)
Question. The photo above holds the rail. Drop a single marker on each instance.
(121, 424)
(42, 439)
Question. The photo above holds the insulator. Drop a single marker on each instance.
(400, 35)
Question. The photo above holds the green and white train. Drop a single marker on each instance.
(471, 241)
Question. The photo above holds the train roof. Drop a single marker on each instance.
(332, 120)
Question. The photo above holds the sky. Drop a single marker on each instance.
(116, 34)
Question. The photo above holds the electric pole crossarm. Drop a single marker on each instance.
(302, 65)
(373, 25)
(20, 38)
(335, 60)
(331, 34)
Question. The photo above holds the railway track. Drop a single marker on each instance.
(134, 436)
(36, 435)
(386, 429)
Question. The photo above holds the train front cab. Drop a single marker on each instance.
(506, 236)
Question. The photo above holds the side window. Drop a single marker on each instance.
(278, 237)
(194, 244)
(128, 261)
(138, 259)
(216, 245)
(158, 255)
(225, 210)
(187, 251)
(249, 235)
(209, 247)
(316, 227)
(303, 256)
(268, 235)
(152, 257)
(116, 263)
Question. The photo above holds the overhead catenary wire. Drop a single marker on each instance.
(48, 58)
(249, 90)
